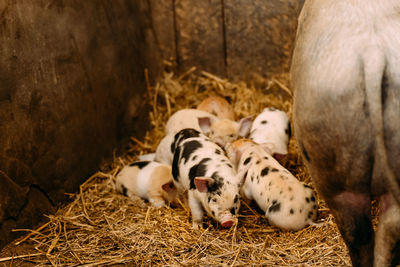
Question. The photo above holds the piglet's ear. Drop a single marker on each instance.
(245, 126)
(168, 187)
(238, 155)
(268, 147)
(205, 124)
(202, 183)
(241, 175)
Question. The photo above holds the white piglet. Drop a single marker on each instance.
(288, 203)
(220, 131)
(187, 118)
(148, 180)
(164, 151)
(272, 127)
(201, 168)
(218, 106)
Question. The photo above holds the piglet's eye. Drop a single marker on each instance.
(232, 135)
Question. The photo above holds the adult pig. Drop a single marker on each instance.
(346, 76)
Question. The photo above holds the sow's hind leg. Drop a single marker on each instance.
(337, 150)
(387, 245)
(349, 202)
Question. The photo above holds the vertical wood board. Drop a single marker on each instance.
(162, 13)
(259, 36)
(200, 39)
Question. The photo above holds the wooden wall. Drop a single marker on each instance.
(72, 80)
(230, 38)
(71, 93)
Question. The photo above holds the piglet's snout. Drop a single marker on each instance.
(227, 224)
(227, 220)
(279, 157)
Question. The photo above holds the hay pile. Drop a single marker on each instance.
(100, 227)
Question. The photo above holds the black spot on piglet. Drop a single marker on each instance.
(233, 211)
(305, 154)
(198, 170)
(124, 190)
(288, 130)
(182, 135)
(275, 207)
(307, 186)
(264, 171)
(139, 164)
(247, 161)
(189, 148)
(175, 163)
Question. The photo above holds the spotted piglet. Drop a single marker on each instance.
(288, 203)
(272, 127)
(201, 168)
(148, 180)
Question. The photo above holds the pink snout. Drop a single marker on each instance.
(227, 224)
(226, 219)
(279, 157)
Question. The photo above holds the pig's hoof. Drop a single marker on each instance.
(196, 225)
(314, 224)
(157, 204)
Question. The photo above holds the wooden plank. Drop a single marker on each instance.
(200, 38)
(162, 15)
(259, 36)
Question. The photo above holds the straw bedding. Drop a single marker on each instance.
(100, 227)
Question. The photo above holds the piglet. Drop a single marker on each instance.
(187, 118)
(221, 131)
(272, 126)
(165, 149)
(288, 203)
(201, 168)
(148, 180)
(218, 106)
(164, 152)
